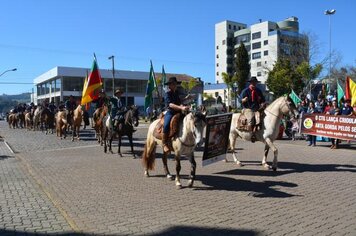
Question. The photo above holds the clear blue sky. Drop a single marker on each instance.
(37, 35)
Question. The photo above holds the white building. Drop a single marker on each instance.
(265, 42)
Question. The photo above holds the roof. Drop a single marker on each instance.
(215, 86)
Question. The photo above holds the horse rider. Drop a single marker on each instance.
(117, 109)
(52, 107)
(173, 106)
(70, 105)
(252, 98)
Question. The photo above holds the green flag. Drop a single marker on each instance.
(164, 79)
(295, 98)
(151, 86)
(340, 92)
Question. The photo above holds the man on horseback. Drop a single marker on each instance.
(252, 98)
(173, 106)
(117, 109)
(70, 106)
(99, 103)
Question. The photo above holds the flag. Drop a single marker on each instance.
(92, 84)
(295, 98)
(164, 79)
(340, 92)
(151, 86)
(352, 87)
(347, 88)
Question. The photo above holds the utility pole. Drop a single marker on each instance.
(112, 58)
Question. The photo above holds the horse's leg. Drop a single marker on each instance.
(232, 138)
(119, 145)
(178, 168)
(193, 166)
(73, 133)
(275, 153)
(131, 144)
(110, 142)
(165, 166)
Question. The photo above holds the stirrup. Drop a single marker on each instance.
(253, 138)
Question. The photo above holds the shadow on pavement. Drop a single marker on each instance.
(176, 230)
(3, 157)
(289, 168)
(256, 189)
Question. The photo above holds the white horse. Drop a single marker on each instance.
(269, 130)
(37, 117)
(190, 134)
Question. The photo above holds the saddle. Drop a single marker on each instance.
(248, 123)
(174, 126)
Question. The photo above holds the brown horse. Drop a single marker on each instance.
(98, 117)
(28, 120)
(77, 121)
(12, 120)
(61, 124)
(47, 120)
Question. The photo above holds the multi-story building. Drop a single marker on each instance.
(60, 82)
(265, 42)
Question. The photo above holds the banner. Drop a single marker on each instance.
(216, 138)
(339, 127)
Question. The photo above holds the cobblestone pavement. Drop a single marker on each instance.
(73, 187)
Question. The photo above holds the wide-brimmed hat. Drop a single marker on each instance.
(253, 79)
(119, 91)
(172, 80)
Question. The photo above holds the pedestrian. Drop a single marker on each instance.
(311, 138)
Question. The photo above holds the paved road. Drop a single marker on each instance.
(58, 186)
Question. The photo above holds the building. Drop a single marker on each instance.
(265, 42)
(60, 82)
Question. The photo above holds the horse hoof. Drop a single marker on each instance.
(169, 176)
(274, 168)
(266, 166)
(179, 186)
(239, 164)
(120, 154)
(146, 174)
(190, 183)
(134, 156)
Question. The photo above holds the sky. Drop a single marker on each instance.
(38, 35)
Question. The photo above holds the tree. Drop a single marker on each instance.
(189, 85)
(283, 78)
(242, 67)
(229, 81)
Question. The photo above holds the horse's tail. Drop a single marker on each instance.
(149, 153)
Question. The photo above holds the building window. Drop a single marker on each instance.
(239, 28)
(217, 47)
(256, 35)
(259, 64)
(259, 73)
(223, 42)
(217, 64)
(217, 73)
(234, 27)
(265, 42)
(265, 62)
(217, 55)
(256, 45)
(243, 38)
(229, 26)
(265, 53)
(256, 55)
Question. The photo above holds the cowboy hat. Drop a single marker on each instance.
(172, 80)
(118, 91)
(253, 79)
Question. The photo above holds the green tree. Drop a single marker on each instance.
(283, 78)
(229, 81)
(189, 85)
(242, 67)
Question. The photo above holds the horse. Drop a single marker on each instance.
(190, 134)
(124, 129)
(21, 119)
(47, 120)
(61, 124)
(37, 117)
(12, 120)
(77, 121)
(269, 130)
(98, 116)
(28, 120)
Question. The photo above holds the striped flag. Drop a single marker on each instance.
(92, 84)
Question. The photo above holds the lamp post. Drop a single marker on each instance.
(113, 73)
(15, 69)
(330, 13)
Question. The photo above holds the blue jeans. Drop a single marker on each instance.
(167, 120)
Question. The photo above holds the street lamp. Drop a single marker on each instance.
(113, 73)
(329, 13)
(15, 69)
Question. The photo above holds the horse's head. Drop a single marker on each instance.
(197, 125)
(289, 109)
(135, 115)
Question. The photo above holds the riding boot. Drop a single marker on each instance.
(253, 136)
(165, 142)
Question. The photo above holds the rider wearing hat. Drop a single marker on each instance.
(117, 108)
(252, 98)
(173, 105)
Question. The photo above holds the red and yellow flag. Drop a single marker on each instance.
(92, 84)
(352, 87)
